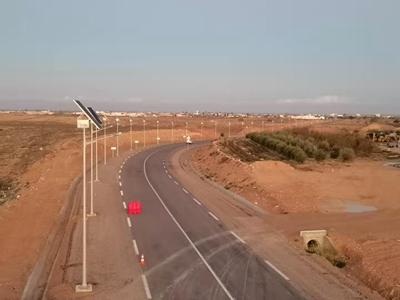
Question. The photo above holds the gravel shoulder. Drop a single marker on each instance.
(313, 276)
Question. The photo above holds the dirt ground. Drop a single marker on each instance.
(322, 196)
(40, 155)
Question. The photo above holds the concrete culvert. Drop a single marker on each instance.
(312, 245)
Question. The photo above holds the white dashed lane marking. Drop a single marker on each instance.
(242, 241)
(122, 192)
(176, 183)
(129, 221)
(195, 200)
(146, 287)
(135, 247)
(277, 270)
(212, 215)
(120, 183)
(185, 191)
(169, 176)
(124, 204)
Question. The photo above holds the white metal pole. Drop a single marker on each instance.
(84, 279)
(117, 137)
(144, 133)
(97, 162)
(130, 120)
(91, 169)
(105, 141)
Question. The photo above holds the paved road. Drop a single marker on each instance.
(189, 253)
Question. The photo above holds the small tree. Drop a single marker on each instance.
(222, 134)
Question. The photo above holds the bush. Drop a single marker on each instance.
(347, 154)
(335, 152)
(222, 134)
(324, 145)
(320, 155)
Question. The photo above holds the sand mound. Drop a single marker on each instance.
(378, 126)
(272, 166)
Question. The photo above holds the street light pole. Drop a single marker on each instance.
(172, 131)
(92, 214)
(130, 121)
(117, 137)
(105, 141)
(144, 133)
(84, 287)
(157, 132)
(97, 162)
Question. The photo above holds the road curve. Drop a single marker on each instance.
(189, 253)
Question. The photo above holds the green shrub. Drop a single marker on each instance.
(335, 152)
(320, 155)
(347, 154)
(324, 145)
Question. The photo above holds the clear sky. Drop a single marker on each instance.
(214, 55)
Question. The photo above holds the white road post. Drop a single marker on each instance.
(84, 287)
(117, 120)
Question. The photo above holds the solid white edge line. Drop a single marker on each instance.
(129, 221)
(212, 215)
(277, 270)
(176, 182)
(185, 191)
(122, 192)
(135, 247)
(146, 287)
(124, 204)
(184, 233)
(243, 242)
(195, 200)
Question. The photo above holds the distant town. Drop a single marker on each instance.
(209, 114)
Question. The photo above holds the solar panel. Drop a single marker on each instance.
(95, 115)
(88, 114)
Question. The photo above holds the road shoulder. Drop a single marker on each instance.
(315, 278)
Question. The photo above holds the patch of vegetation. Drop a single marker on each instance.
(302, 144)
(247, 150)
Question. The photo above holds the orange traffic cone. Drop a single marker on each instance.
(142, 262)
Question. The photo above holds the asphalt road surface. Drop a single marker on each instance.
(189, 253)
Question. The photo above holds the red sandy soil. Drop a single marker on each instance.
(316, 197)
